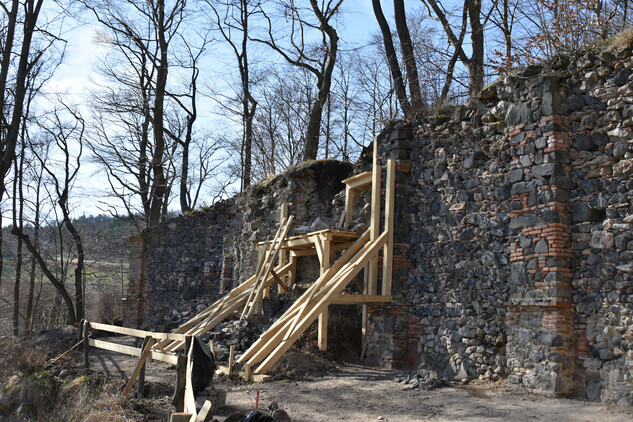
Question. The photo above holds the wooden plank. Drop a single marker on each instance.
(132, 351)
(358, 180)
(374, 225)
(338, 285)
(322, 337)
(136, 333)
(347, 299)
(387, 263)
(204, 411)
(140, 365)
(231, 358)
(254, 297)
(223, 370)
(190, 400)
(180, 417)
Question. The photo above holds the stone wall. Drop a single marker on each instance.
(516, 214)
(183, 265)
(513, 249)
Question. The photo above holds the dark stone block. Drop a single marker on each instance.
(600, 139)
(517, 114)
(516, 175)
(522, 187)
(584, 142)
(550, 169)
(541, 246)
(622, 77)
(627, 111)
(563, 182)
(526, 220)
(540, 143)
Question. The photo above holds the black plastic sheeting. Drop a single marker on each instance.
(256, 416)
(203, 365)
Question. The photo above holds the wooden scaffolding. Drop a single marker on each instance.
(277, 264)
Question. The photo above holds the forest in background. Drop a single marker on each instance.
(194, 100)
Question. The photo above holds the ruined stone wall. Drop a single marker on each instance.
(513, 248)
(516, 238)
(184, 264)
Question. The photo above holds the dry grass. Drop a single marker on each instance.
(621, 41)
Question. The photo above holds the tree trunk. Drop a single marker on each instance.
(408, 56)
(159, 187)
(392, 59)
(476, 62)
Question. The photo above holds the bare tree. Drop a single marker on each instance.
(297, 54)
(232, 19)
(141, 35)
(472, 13)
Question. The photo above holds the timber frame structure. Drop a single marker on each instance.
(277, 265)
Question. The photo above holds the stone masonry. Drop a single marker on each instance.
(513, 254)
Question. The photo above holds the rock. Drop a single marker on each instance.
(281, 415)
(620, 148)
(584, 142)
(517, 114)
(622, 77)
(602, 239)
(623, 167)
(322, 223)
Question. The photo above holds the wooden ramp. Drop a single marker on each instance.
(247, 297)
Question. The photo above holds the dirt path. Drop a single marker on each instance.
(368, 394)
(360, 393)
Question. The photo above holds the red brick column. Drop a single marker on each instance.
(134, 302)
(540, 317)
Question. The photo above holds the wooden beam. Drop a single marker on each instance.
(139, 366)
(337, 285)
(374, 225)
(281, 283)
(347, 299)
(323, 320)
(132, 351)
(387, 263)
(190, 400)
(204, 411)
(259, 348)
(358, 180)
(136, 333)
(86, 329)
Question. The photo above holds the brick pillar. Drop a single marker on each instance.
(392, 332)
(540, 317)
(134, 303)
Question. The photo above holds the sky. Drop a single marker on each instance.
(76, 76)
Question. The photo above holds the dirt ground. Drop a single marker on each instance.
(360, 393)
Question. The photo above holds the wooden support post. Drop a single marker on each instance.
(248, 374)
(374, 227)
(292, 277)
(212, 348)
(323, 317)
(387, 263)
(146, 347)
(86, 345)
(81, 330)
(179, 393)
(363, 336)
(231, 357)
(139, 371)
